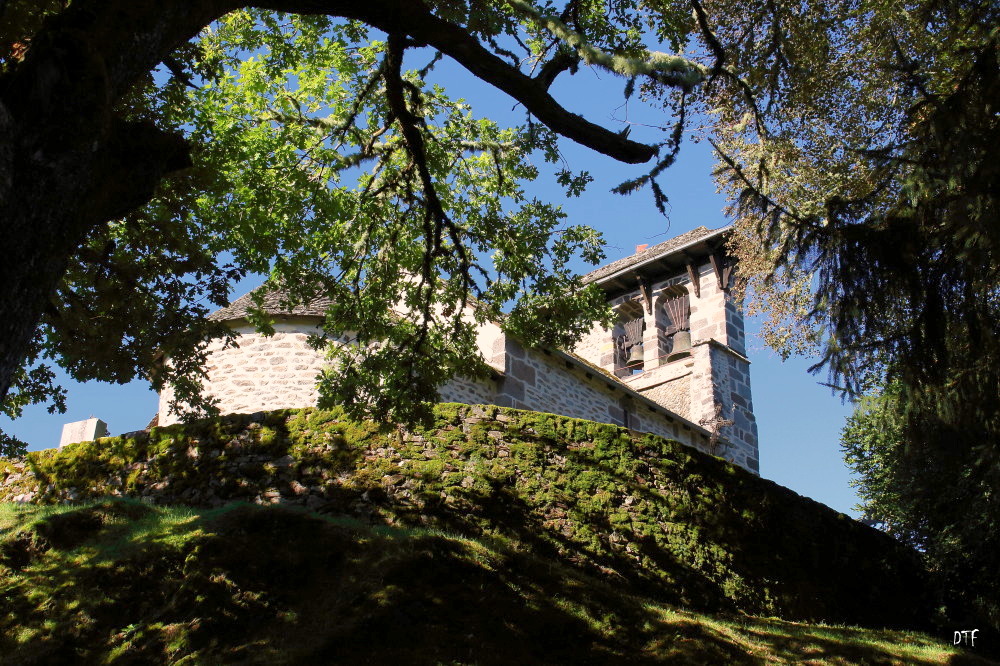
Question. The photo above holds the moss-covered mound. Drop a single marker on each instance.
(122, 582)
(644, 513)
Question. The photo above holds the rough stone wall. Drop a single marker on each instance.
(242, 458)
(703, 392)
(262, 373)
(664, 520)
(549, 383)
(489, 338)
(669, 523)
(727, 385)
(735, 329)
(722, 372)
(708, 308)
(533, 382)
(596, 347)
(280, 372)
(469, 391)
(675, 395)
(733, 378)
(717, 375)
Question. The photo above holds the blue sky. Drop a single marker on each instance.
(799, 420)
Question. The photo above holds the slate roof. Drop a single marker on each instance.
(272, 304)
(659, 250)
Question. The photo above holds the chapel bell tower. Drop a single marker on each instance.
(678, 338)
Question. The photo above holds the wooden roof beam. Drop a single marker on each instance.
(723, 270)
(693, 275)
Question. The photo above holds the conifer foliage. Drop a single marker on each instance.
(857, 144)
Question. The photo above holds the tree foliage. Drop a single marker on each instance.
(403, 208)
(856, 147)
(939, 494)
(856, 144)
(319, 150)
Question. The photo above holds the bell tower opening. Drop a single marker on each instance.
(674, 321)
(627, 336)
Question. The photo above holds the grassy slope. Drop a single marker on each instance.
(668, 522)
(123, 582)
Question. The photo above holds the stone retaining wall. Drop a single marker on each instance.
(648, 513)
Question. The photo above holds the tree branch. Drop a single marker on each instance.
(457, 42)
(558, 64)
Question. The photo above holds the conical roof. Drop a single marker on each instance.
(273, 299)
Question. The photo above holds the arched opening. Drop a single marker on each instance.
(627, 337)
(673, 323)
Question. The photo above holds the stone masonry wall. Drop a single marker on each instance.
(726, 390)
(595, 346)
(718, 387)
(262, 373)
(670, 384)
(549, 382)
(733, 374)
(239, 457)
(280, 372)
(469, 391)
(674, 395)
(665, 521)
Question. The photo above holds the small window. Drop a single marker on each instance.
(627, 336)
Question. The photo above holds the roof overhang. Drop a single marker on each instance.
(672, 261)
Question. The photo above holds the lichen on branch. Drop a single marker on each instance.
(664, 68)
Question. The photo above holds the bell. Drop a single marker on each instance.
(635, 355)
(682, 341)
(682, 346)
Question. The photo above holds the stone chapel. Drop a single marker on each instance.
(674, 364)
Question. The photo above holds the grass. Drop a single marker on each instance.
(121, 582)
(665, 520)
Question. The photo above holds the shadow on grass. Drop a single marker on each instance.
(270, 585)
(250, 584)
(583, 532)
(794, 642)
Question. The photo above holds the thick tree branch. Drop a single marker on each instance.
(69, 161)
(710, 37)
(555, 66)
(408, 124)
(416, 20)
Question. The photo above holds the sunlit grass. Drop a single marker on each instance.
(17, 515)
(166, 584)
(776, 640)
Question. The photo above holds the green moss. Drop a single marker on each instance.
(681, 526)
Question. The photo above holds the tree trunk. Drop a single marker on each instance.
(67, 161)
